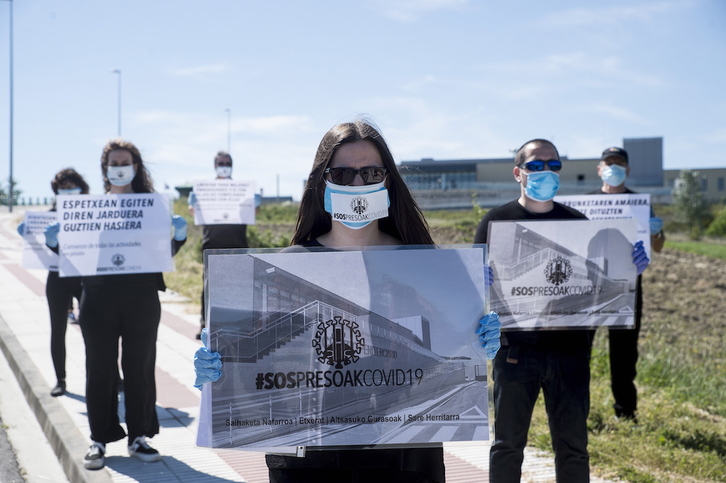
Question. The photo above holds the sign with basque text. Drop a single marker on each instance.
(36, 254)
(614, 207)
(224, 202)
(114, 234)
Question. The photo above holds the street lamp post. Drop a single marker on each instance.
(118, 71)
(229, 130)
(11, 183)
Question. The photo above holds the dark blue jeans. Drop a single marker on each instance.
(564, 379)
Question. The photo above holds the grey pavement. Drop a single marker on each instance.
(50, 435)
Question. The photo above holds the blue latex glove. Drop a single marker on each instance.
(489, 332)
(21, 228)
(656, 225)
(192, 199)
(640, 259)
(488, 276)
(51, 234)
(180, 227)
(207, 364)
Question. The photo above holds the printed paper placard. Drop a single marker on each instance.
(114, 234)
(563, 274)
(613, 207)
(224, 202)
(36, 254)
(372, 347)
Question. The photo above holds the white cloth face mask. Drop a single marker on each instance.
(224, 171)
(356, 206)
(120, 175)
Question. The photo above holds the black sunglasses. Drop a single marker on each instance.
(345, 176)
(538, 165)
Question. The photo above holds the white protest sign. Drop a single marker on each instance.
(114, 234)
(563, 274)
(36, 254)
(614, 207)
(224, 202)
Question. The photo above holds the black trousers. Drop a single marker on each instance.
(60, 292)
(623, 361)
(130, 313)
(410, 465)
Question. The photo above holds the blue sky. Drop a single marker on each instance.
(447, 79)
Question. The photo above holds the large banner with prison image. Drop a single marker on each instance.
(574, 274)
(340, 348)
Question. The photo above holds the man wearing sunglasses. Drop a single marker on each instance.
(613, 169)
(556, 361)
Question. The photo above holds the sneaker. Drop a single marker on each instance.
(72, 318)
(141, 449)
(59, 389)
(95, 458)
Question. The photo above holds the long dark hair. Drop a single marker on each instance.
(404, 221)
(142, 182)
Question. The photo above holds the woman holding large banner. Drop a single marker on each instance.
(126, 307)
(354, 165)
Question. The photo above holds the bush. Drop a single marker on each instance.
(691, 207)
(718, 225)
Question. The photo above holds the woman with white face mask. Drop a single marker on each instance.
(354, 198)
(123, 308)
(60, 291)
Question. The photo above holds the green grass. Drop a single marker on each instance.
(699, 248)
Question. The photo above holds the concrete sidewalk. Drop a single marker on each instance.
(24, 340)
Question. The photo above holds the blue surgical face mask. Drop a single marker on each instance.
(542, 185)
(614, 175)
(120, 175)
(70, 191)
(356, 206)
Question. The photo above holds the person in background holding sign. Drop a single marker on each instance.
(219, 236)
(353, 160)
(60, 291)
(124, 307)
(556, 361)
(613, 169)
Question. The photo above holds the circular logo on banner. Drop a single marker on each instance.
(118, 259)
(359, 205)
(338, 342)
(558, 270)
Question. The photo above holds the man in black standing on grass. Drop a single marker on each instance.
(613, 169)
(555, 361)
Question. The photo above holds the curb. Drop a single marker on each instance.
(62, 434)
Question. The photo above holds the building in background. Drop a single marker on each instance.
(458, 183)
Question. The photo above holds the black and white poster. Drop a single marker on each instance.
(339, 348)
(563, 274)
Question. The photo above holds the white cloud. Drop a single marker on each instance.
(579, 17)
(614, 112)
(201, 71)
(412, 10)
(182, 148)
